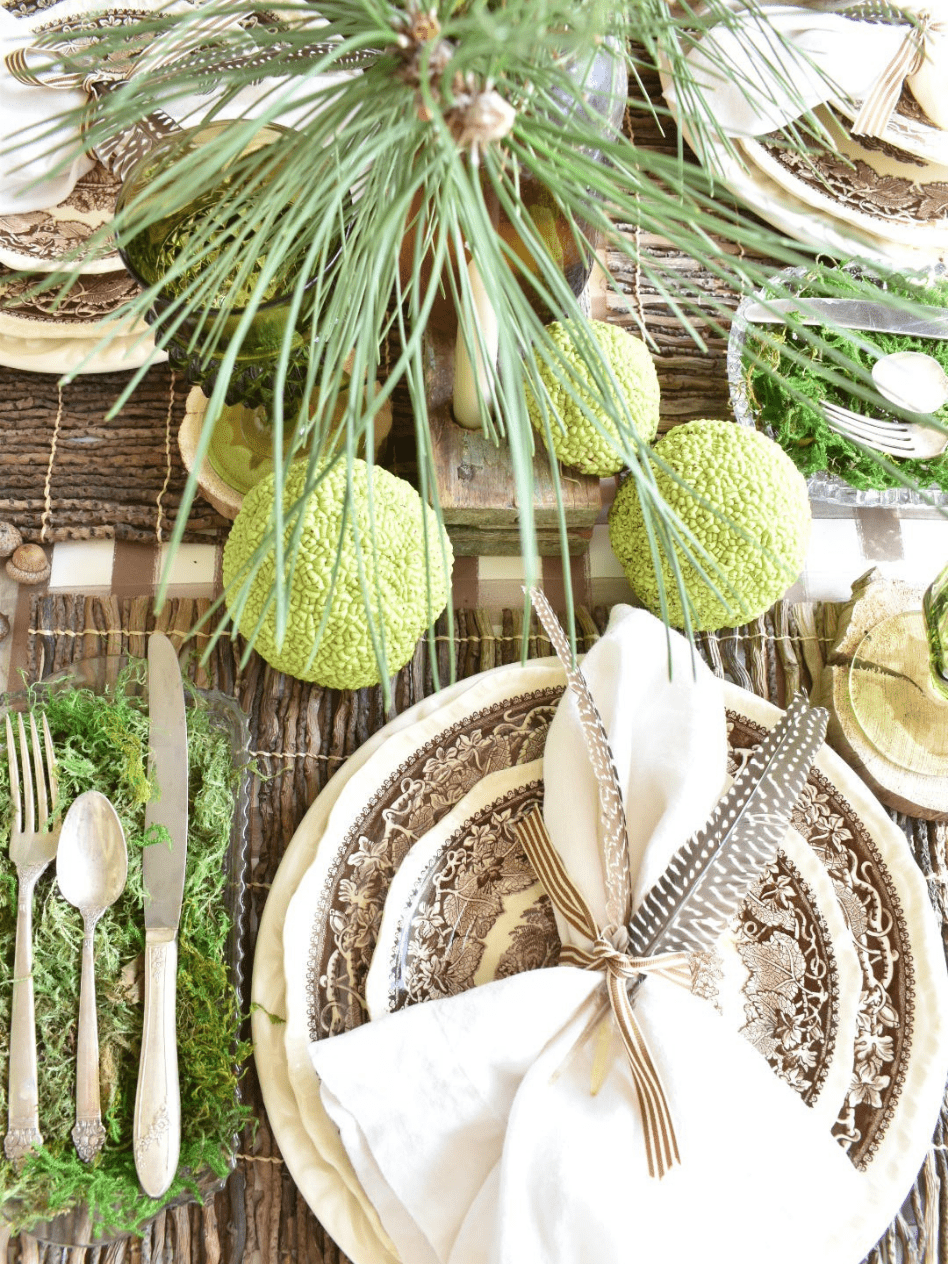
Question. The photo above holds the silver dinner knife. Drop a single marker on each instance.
(156, 1129)
(848, 313)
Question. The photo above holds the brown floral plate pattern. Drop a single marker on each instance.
(465, 908)
(846, 888)
(83, 310)
(875, 187)
(865, 893)
(39, 241)
(412, 799)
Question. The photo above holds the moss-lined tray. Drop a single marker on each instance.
(100, 732)
(782, 400)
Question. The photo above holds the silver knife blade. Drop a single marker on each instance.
(162, 863)
(848, 313)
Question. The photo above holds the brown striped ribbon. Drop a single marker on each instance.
(661, 1146)
(876, 110)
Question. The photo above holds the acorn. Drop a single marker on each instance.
(4, 626)
(29, 565)
(10, 539)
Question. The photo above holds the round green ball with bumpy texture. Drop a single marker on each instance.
(755, 525)
(406, 594)
(576, 440)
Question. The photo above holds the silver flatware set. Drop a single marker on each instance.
(89, 848)
(909, 379)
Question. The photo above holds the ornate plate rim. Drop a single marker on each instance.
(331, 1189)
(931, 235)
(772, 202)
(488, 792)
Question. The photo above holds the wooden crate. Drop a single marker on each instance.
(475, 482)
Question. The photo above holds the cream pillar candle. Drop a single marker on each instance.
(473, 381)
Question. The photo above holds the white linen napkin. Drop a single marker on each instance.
(30, 179)
(744, 68)
(25, 180)
(470, 1121)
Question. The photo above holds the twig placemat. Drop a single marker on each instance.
(300, 734)
(70, 472)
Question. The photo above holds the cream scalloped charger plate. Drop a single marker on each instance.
(833, 970)
(876, 188)
(82, 355)
(749, 171)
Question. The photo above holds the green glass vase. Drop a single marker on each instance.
(150, 254)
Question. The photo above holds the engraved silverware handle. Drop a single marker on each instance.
(88, 1134)
(156, 1129)
(23, 1104)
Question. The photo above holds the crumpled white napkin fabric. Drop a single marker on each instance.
(25, 180)
(470, 1121)
(30, 179)
(744, 68)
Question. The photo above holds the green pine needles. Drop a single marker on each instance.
(417, 136)
(101, 742)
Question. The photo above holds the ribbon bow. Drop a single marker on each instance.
(880, 102)
(608, 954)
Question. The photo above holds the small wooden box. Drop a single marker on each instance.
(475, 481)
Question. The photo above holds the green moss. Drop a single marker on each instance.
(101, 742)
(780, 399)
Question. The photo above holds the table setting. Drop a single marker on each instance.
(866, 86)
(458, 927)
(319, 979)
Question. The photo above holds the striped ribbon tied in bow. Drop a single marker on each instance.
(607, 954)
(882, 98)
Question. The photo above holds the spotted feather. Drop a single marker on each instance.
(708, 878)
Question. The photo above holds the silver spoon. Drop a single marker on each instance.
(911, 379)
(91, 866)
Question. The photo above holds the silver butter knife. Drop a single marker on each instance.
(156, 1129)
(848, 313)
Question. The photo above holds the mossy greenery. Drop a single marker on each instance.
(102, 743)
(793, 377)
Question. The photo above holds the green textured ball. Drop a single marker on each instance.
(345, 657)
(576, 441)
(756, 487)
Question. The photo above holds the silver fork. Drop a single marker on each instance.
(32, 847)
(894, 438)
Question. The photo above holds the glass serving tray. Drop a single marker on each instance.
(77, 1227)
(823, 487)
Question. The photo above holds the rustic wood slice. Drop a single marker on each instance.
(475, 481)
(225, 499)
(213, 487)
(876, 600)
